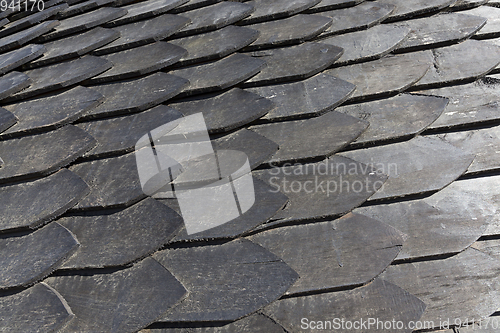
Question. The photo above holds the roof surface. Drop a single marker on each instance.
(371, 129)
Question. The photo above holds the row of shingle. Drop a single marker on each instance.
(289, 322)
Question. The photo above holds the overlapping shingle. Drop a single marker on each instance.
(143, 32)
(311, 97)
(231, 280)
(464, 4)
(128, 64)
(57, 76)
(111, 284)
(220, 44)
(293, 63)
(465, 61)
(350, 306)
(492, 26)
(74, 46)
(472, 103)
(416, 166)
(56, 110)
(432, 227)
(223, 112)
(30, 20)
(7, 119)
(332, 4)
(113, 182)
(144, 292)
(293, 30)
(329, 188)
(470, 270)
(27, 259)
(311, 138)
(214, 17)
(18, 57)
(362, 16)
(438, 30)
(42, 154)
(37, 308)
(385, 76)
(81, 7)
(407, 115)
(257, 148)
(134, 95)
(266, 10)
(483, 143)
(13, 82)
(368, 44)
(120, 134)
(144, 9)
(220, 74)
(405, 10)
(477, 195)
(343, 253)
(267, 203)
(193, 4)
(34, 203)
(256, 322)
(122, 237)
(83, 22)
(22, 37)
